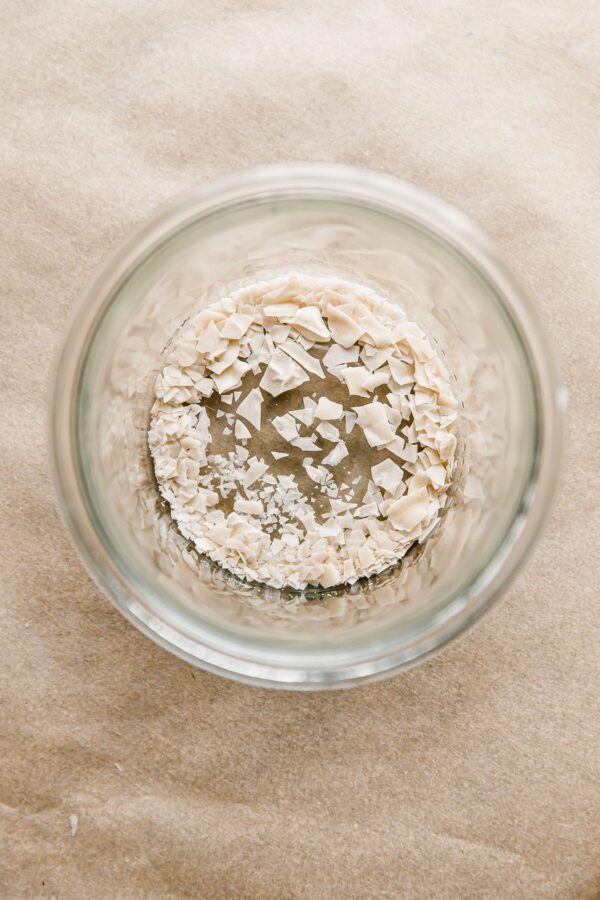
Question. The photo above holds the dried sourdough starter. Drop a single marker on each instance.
(303, 432)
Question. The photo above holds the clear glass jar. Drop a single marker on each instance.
(323, 220)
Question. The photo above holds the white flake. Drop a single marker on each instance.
(338, 356)
(337, 455)
(373, 420)
(241, 432)
(396, 446)
(280, 333)
(282, 374)
(284, 310)
(309, 322)
(330, 575)
(408, 453)
(225, 359)
(327, 409)
(387, 475)
(373, 358)
(377, 379)
(248, 507)
(411, 509)
(306, 415)
(375, 331)
(360, 381)
(328, 431)
(231, 377)
(306, 444)
(305, 343)
(210, 339)
(356, 378)
(254, 471)
(308, 362)
(205, 386)
(366, 557)
(402, 373)
(285, 426)
(437, 476)
(251, 406)
(367, 510)
(350, 421)
(344, 329)
(316, 473)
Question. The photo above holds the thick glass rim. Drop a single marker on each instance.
(363, 188)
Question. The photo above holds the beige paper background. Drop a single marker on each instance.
(473, 776)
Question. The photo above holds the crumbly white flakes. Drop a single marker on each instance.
(276, 533)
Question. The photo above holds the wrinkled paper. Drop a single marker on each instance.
(125, 772)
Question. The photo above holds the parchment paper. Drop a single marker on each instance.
(473, 776)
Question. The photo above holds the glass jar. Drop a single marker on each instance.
(321, 220)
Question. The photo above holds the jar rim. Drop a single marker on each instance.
(363, 188)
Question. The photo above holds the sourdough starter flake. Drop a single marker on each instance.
(303, 432)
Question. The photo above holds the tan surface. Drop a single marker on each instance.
(474, 776)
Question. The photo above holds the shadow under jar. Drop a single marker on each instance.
(320, 220)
